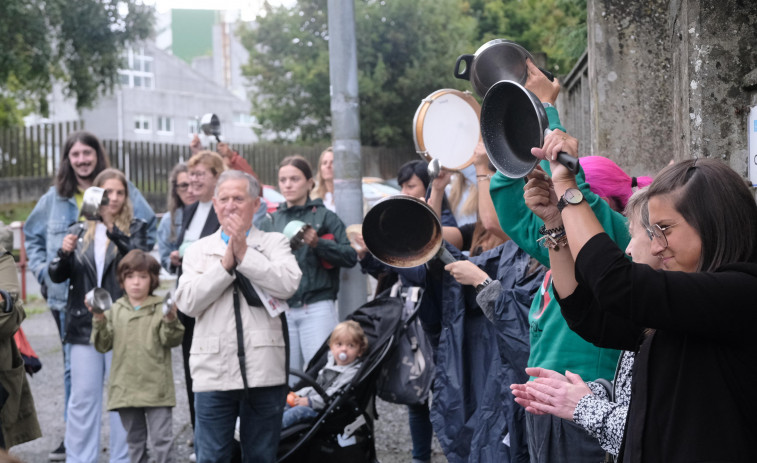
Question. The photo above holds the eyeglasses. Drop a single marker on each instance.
(657, 232)
(182, 186)
(198, 173)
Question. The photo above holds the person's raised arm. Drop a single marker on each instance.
(540, 197)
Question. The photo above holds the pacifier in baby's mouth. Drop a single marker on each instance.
(342, 356)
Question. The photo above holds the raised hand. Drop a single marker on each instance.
(554, 143)
(544, 89)
(69, 243)
(539, 195)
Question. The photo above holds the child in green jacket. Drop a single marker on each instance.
(141, 386)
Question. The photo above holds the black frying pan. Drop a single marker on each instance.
(403, 231)
(513, 121)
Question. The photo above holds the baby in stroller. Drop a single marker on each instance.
(347, 344)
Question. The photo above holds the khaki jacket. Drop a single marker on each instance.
(140, 374)
(205, 292)
(18, 417)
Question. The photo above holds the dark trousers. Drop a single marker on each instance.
(554, 440)
(186, 344)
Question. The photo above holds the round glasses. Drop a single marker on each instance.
(182, 186)
(656, 232)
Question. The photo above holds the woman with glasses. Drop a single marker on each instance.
(179, 196)
(692, 323)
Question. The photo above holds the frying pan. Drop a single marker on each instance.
(513, 121)
(211, 125)
(496, 60)
(403, 231)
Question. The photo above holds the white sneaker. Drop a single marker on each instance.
(193, 458)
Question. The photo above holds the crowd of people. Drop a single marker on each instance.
(578, 323)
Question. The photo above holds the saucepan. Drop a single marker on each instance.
(403, 231)
(99, 299)
(94, 197)
(496, 60)
(513, 121)
(211, 125)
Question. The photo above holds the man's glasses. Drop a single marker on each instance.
(656, 232)
(182, 186)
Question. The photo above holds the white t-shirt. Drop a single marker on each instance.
(194, 229)
(328, 201)
(101, 247)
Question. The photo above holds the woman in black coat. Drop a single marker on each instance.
(694, 372)
(88, 258)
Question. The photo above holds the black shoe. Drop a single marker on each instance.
(58, 454)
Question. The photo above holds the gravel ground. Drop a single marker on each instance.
(393, 442)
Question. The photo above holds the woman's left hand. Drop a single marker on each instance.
(554, 143)
(310, 237)
(466, 272)
(556, 394)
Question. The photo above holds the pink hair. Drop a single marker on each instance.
(608, 180)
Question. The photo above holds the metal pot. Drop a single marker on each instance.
(294, 231)
(403, 231)
(211, 125)
(99, 299)
(496, 60)
(94, 197)
(513, 121)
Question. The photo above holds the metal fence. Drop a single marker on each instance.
(574, 104)
(34, 152)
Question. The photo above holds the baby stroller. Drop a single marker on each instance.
(344, 430)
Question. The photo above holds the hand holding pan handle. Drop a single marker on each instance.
(565, 159)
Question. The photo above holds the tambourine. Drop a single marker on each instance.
(446, 127)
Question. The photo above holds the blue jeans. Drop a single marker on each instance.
(298, 414)
(421, 431)
(259, 423)
(309, 327)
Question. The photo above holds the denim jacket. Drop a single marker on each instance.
(48, 224)
(165, 245)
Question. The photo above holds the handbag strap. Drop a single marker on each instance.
(240, 339)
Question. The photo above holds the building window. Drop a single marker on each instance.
(244, 120)
(165, 125)
(138, 72)
(193, 126)
(141, 124)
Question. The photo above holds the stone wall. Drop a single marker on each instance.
(668, 80)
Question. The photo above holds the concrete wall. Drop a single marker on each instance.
(630, 83)
(668, 80)
(715, 47)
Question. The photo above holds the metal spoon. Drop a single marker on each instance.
(434, 168)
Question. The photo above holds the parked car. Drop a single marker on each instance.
(374, 189)
(272, 197)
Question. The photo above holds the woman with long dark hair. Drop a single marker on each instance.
(323, 250)
(693, 374)
(179, 195)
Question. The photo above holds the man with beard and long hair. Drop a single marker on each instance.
(83, 159)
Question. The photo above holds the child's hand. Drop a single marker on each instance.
(95, 316)
(302, 401)
(171, 315)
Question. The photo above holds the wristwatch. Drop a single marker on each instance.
(480, 287)
(572, 196)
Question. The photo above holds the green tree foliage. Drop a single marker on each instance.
(76, 42)
(406, 50)
(554, 27)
